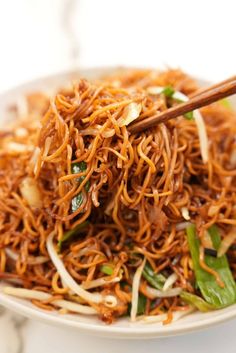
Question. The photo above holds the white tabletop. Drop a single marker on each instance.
(39, 37)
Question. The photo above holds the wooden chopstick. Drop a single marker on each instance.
(208, 96)
(216, 85)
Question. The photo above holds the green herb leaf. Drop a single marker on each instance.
(210, 290)
(71, 234)
(79, 168)
(156, 280)
(142, 301)
(196, 301)
(189, 116)
(106, 269)
(168, 91)
(77, 200)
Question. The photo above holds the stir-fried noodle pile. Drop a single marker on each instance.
(96, 220)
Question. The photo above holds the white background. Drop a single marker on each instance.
(39, 37)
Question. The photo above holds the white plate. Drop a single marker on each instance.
(122, 328)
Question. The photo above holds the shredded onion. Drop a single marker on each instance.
(96, 130)
(227, 242)
(131, 113)
(233, 157)
(155, 90)
(39, 295)
(206, 240)
(155, 293)
(185, 213)
(31, 260)
(183, 225)
(91, 131)
(84, 251)
(34, 159)
(21, 132)
(213, 210)
(202, 135)
(94, 195)
(200, 126)
(37, 260)
(108, 133)
(135, 290)
(99, 282)
(47, 146)
(11, 254)
(108, 300)
(30, 192)
(22, 106)
(170, 281)
(16, 147)
(15, 281)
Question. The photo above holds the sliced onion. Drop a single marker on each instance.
(206, 240)
(96, 130)
(30, 192)
(99, 282)
(131, 113)
(169, 282)
(202, 135)
(84, 251)
(108, 133)
(162, 317)
(213, 209)
(182, 225)
(90, 131)
(185, 213)
(21, 132)
(15, 281)
(155, 90)
(233, 157)
(39, 295)
(135, 290)
(22, 106)
(94, 195)
(155, 293)
(18, 148)
(34, 159)
(227, 242)
(109, 207)
(31, 260)
(180, 96)
(11, 254)
(38, 260)
(108, 300)
(47, 146)
(200, 126)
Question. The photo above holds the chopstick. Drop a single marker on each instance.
(216, 85)
(209, 95)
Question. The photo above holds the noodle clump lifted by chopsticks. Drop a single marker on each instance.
(96, 220)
